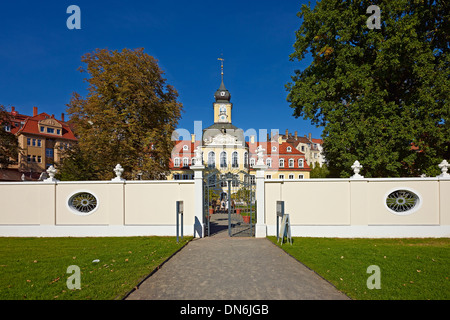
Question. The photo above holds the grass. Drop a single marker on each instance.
(410, 269)
(36, 268)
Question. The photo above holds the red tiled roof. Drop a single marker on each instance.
(31, 126)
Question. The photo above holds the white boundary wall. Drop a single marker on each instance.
(124, 208)
(357, 207)
(317, 208)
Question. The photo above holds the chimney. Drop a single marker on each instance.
(287, 133)
(35, 111)
(13, 109)
(62, 117)
(192, 138)
(309, 137)
(252, 139)
(296, 135)
(280, 139)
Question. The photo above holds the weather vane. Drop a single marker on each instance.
(221, 66)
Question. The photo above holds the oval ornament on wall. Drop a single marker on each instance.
(83, 203)
(402, 202)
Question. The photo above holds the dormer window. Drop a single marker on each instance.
(274, 149)
(289, 149)
(42, 129)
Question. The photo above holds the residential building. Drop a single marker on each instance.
(42, 139)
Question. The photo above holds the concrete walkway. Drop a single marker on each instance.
(224, 268)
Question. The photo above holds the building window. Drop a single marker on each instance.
(289, 149)
(33, 158)
(28, 141)
(58, 131)
(185, 162)
(303, 148)
(245, 159)
(281, 163)
(193, 161)
(49, 152)
(268, 176)
(7, 128)
(291, 163)
(185, 177)
(33, 142)
(176, 162)
(28, 158)
(252, 179)
(39, 159)
(269, 162)
(42, 129)
(185, 147)
(274, 149)
(281, 176)
(39, 142)
(291, 176)
(300, 176)
(300, 163)
(50, 130)
(252, 162)
(211, 159)
(234, 159)
(223, 159)
(176, 177)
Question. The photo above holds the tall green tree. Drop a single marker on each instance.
(381, 95)
(9, 145)
(128, 116)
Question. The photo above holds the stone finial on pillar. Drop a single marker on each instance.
(51, 174)
(444, 165)
(356, 168)
(118, 170)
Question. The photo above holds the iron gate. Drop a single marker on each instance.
(229, 203)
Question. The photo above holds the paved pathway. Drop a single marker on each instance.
(224, 268)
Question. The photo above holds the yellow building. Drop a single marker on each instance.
(223, 147)
(42, 140)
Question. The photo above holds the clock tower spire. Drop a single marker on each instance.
(222, 106)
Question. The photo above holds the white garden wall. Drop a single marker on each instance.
(125, 208)
(357, 207)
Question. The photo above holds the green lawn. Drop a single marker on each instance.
(410, 269)
(36, 268)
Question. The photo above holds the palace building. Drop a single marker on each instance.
(224, 147)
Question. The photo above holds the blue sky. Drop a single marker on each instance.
(39, 55)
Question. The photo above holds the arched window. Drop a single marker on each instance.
(252, 162)
(185, 162)
(281, 163)
(211, 159)
(269, 162)
(223, 159)
(288, 149)
(176, 162)
(274, 149)
(235, 159)
(291, 163)
(300, 163)
(245, 159)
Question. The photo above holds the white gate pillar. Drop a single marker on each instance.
(260, 228)
(198, 204)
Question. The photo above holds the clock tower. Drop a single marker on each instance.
(222, 105)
